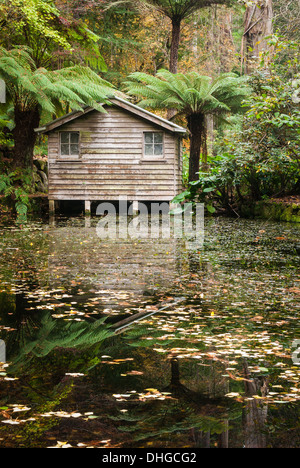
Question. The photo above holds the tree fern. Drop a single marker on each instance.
(192, 95)
(35, 91)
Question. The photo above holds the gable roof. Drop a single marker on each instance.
(121, 103)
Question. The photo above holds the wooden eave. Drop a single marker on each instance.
(63, 120)
(144, 114)
(118, 102)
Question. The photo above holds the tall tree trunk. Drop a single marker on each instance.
(210, 127)
(176, 33)
(25, 136)
(173, 65)
(197, 128)
(258, 24)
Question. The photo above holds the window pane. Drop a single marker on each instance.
(148, 137)
(158, 150)
(74, 149)
(64, 137)
(158, 137)
(149, 150)
(64, 150)
(74, 137)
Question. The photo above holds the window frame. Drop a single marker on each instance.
(69, 157)
(153, 157)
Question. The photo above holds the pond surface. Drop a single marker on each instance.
(146, 344)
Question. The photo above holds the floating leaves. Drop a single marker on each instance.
(11, 410)
(3, 373)
(241, 305)
(147, 395)
(73, 414)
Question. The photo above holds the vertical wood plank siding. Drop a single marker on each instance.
(111, 161)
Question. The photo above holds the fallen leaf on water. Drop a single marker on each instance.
(257, 318)
(133, 372)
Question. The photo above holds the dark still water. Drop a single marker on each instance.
(145, 344)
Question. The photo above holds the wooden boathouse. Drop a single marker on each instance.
(126, 151)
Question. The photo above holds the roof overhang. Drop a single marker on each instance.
(118, 102)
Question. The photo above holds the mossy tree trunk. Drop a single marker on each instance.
(24, 136)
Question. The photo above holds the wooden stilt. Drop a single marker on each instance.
(52, 207)
(87, 208)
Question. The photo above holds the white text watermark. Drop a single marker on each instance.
(2, 92)
(152, 221)
(296, 352)
(2, 351)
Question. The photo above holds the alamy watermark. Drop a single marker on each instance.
(152, 221)
(2, 92)
(296, 352)
(2, 351)
(296, 93)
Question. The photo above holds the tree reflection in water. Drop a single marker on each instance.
(213, 370)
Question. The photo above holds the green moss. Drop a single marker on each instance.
(277, 211)
(86, 136)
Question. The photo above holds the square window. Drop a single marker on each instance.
(69, 144)
(158, 150)
(158, 137)
(149, 138)
(64, 149)
(153, 144)
(64, 137)
(74, 137)
(74, 149)
(149, 150)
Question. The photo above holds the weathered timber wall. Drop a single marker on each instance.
(111, 161)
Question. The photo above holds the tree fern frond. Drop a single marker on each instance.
(192, 92)
(31, 86)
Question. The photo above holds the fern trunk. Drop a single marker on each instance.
(176, 33)
(24, 136)
(197, 128)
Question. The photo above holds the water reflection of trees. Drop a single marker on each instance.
(197, 412)
(255, 413)
(198, 390)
